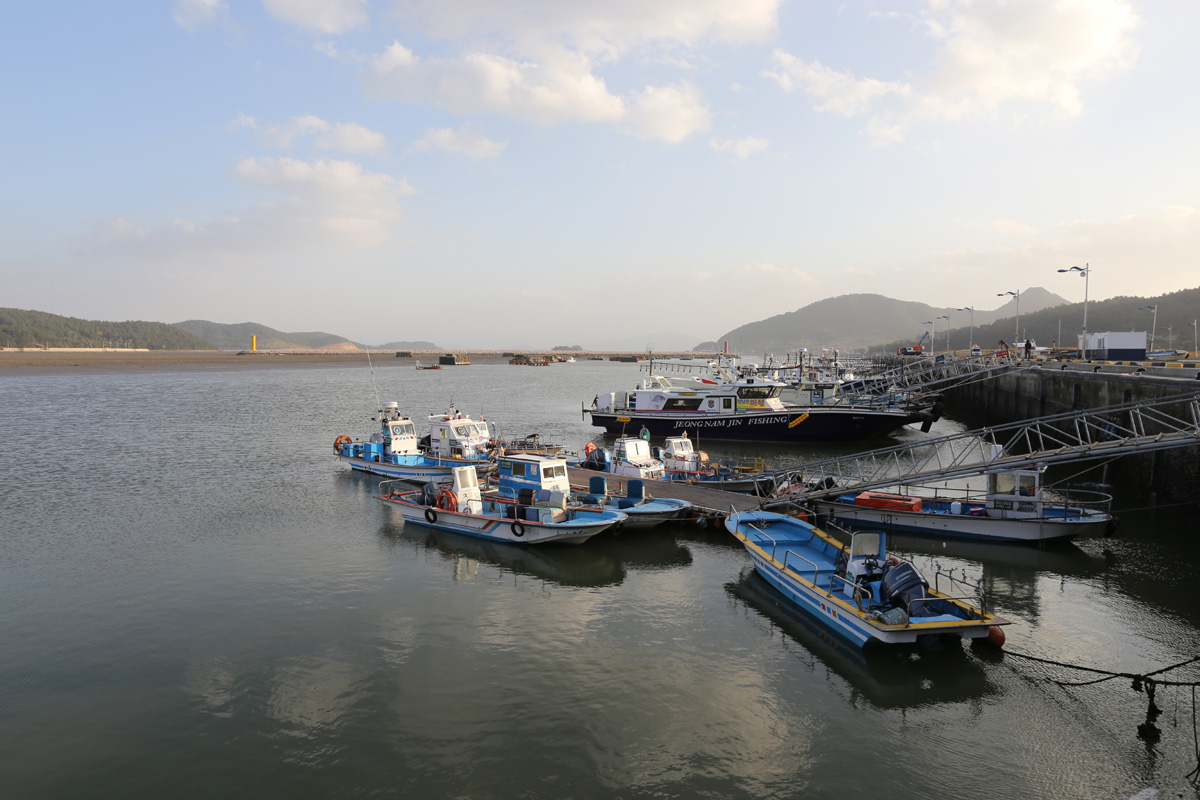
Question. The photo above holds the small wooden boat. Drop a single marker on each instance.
(522, 520)
(857, 591)
(428, 366)
(643, 511)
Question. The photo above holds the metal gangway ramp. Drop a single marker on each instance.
(930, 375)
(1071, 436)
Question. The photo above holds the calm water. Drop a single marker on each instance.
(198, 600)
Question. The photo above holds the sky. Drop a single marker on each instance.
(495, 173)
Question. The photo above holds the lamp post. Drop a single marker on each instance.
(1195, 338)
(971, 343)
(1085, 271)
(1016, 294)
(1170, 339)
(1153, 324)
(947, 318)
(932, 332)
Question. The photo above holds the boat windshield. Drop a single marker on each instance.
(465, 431)
(681, 446)
(637, 447)
(758, 392)
(554, 471)
(403, 429)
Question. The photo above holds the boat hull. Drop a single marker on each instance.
(829, 607)
(810, 425)
(653, 513)
(416, 469)
(500, 529)
(962, 526)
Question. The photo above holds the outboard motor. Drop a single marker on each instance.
(902, 584)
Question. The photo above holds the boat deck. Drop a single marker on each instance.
(702, 498)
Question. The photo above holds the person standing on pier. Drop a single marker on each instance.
(1028, 349)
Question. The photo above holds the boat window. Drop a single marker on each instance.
(1004, 483)
(518, 469)
(682, 446)
(638, 447)
(757, 392)
(682, 404)
(727, 403)
(554, 471)
(1028, 485)
(404, 430)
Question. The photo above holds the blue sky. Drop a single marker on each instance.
(491, 172)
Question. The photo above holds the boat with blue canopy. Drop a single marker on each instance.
(858, 590)
(505, 513)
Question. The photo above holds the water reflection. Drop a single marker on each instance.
(887, 677)
(602, 561)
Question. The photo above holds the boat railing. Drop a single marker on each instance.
(815, 568)
(1083, 500)
(860, 591)
(767, 536)
(381, 491)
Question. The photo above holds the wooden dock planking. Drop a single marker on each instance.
(701, 497)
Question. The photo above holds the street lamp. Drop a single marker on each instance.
(1016, 294)
(1153, 324)
(1195, 338)
(947, 318)
(1085, 271)
(972, 336)
(1170, 340)
(932, 332)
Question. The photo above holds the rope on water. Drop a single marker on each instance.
(1145, 682)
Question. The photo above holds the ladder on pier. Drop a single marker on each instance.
(1072, 436)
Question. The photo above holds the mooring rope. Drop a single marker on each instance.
(1145, 682)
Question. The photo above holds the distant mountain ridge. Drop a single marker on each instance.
(862, 320)
(20, 328)
(237, 336)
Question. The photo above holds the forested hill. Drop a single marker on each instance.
(237, 336)
(19, 328)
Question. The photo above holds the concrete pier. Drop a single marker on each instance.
(1168, 476)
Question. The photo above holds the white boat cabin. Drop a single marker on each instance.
(678, 455)
(453, 435)
(397, 432)
(466, 491)
(632, 457)
(1015, 494)
(657, 394)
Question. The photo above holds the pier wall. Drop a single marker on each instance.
(1167, 476)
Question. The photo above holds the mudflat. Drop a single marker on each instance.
(40, 362)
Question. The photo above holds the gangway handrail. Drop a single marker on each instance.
(1066, 436)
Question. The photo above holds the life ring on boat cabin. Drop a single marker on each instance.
(589, 448)
(338, 442)
(518, 529)
(430, 516)
(447, 500)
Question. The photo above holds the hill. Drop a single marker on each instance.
(237, 336)
(862, 320)
(417, 345)
(19, 328)
(1063, 324)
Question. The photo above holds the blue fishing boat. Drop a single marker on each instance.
(520, 517)
(395, 452)
(858, 591)
(643, 511)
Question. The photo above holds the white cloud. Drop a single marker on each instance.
(465, 142)
(243, 120)
(194, 14)
(740, 148)
(324, 16)
(608, 28)
(321, 203)
(558, 87)
(348, 137)
(670, 113)
(550, 91)
(839, 92)
(993, 55)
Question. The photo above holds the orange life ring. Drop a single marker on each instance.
(589, 448)
(447, 500)
(339, 441)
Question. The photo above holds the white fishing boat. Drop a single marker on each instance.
(630, 456)
(395, 452)
(1015, 507)
(521, 517)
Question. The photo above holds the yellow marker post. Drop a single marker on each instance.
(253, 343)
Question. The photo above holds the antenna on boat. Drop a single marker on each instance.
(378, 402)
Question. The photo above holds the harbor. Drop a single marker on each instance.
(316, 621)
